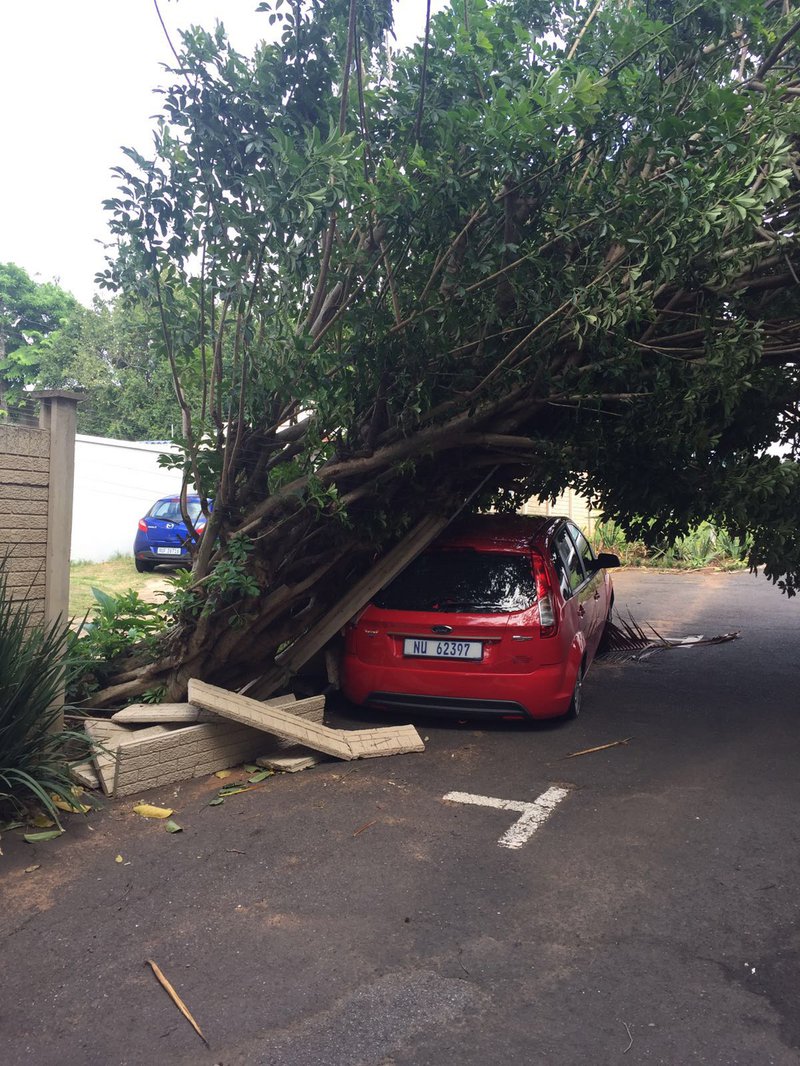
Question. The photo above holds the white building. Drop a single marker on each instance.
(116, 483)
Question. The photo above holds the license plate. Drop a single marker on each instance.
(168, 551)
(443, 649)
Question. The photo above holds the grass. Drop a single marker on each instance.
(115, 576)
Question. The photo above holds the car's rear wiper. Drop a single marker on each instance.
(464, 605)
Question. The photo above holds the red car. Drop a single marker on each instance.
(502, 615)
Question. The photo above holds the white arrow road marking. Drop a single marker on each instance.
(532, 815)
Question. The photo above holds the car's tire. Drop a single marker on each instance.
(143, 567)
(576, 703)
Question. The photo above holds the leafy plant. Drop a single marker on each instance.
(33, 760)
(114, 625)
(706, 545)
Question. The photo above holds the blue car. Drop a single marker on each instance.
(162, 536)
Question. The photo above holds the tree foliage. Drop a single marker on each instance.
(549, 245)
(112, 352)
(31, 314)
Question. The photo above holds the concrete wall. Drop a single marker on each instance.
(36, 466)
(24, 478)
(116, 483)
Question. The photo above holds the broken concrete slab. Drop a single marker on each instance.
(184, 753)
(161, 714)
(84, 773)
(312, 708)
(341, 743)
(110, 735)
(291, 759)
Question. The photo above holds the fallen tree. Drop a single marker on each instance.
(547, 246)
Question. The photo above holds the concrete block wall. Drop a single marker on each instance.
(185, 753)
(24, 481)
(36, 480)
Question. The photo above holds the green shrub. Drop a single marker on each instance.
(33, 762)
(704, 546)
(114, 625)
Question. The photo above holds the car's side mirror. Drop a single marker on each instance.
(606, 561)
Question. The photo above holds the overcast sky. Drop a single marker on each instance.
(76, 83)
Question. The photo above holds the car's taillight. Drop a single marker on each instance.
(142, 525)
(199, 529)
(544, 598)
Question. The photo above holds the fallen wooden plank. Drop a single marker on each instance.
(184, 753)
(298, 653)
(341, 743)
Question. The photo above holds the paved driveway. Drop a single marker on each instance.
(351, 915)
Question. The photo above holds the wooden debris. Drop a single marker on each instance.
(341, 743)
(176, 999)
(600, 747)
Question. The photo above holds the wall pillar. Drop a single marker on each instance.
(58, 415)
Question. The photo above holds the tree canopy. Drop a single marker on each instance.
(549, 245)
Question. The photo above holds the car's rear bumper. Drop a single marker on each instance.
(543, 693)
(184, 559)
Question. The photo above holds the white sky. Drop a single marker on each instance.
(76, 83)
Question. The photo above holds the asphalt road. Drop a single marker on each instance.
(351, 916)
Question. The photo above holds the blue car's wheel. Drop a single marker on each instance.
(143, 567)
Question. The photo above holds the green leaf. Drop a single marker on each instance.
(38, 838)
(260, 776)
(173, 827)
(216, 801)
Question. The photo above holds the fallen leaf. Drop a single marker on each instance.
(176, 999)
(251, 768)
(38, 838)
(260, 776)
(147, 810)
(216, 801)
(71, 808)
(41, 821)
(11, 825)
(231, 790)
(119, 858)
(173, 827)
(223, 773)
(30, 869)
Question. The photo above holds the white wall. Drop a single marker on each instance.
(116, 483)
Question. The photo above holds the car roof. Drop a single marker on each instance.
(512, 531)
(175, 499)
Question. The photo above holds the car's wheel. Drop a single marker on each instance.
(143, 567)
(576, 702)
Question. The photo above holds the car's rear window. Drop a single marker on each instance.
(170, 510)
(462, 580)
